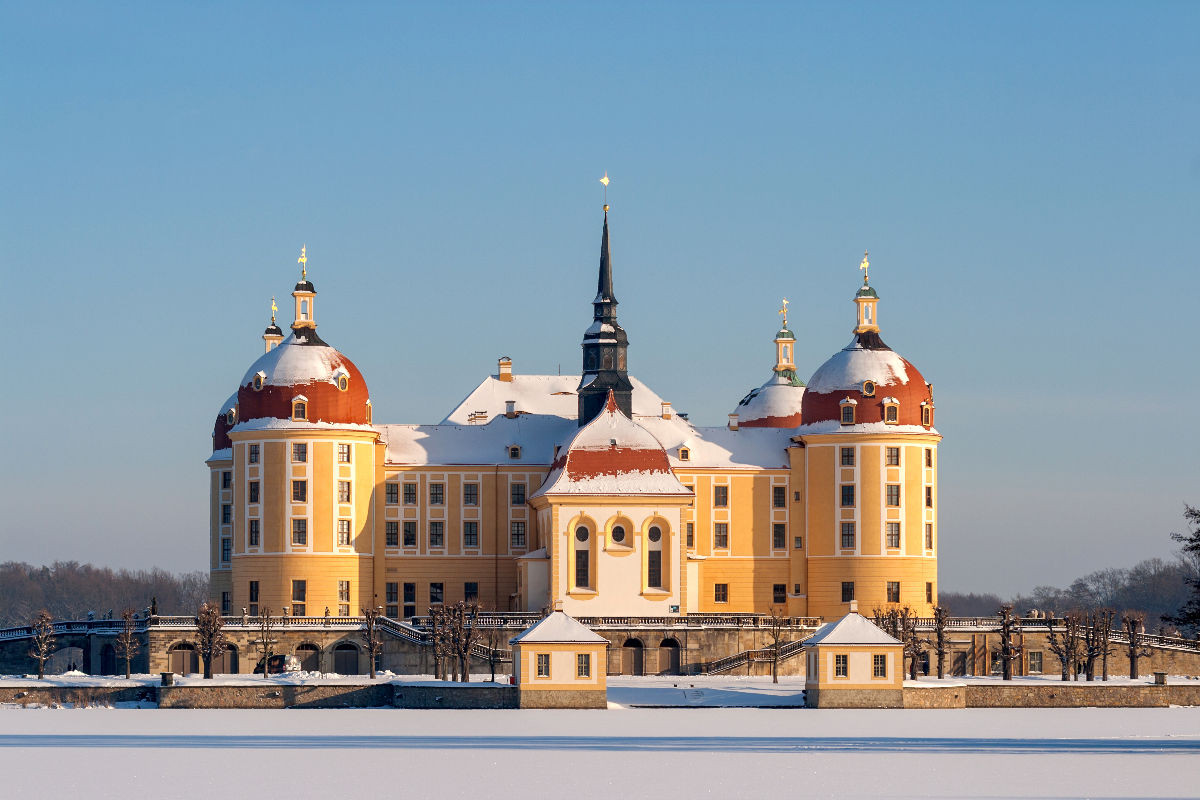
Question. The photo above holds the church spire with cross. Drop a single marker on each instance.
(605, 344)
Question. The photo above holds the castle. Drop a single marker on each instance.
(585, 492)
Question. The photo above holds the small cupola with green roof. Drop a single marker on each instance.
(785, 349)
(866, 300)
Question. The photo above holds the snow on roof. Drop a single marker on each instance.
(853, 628)
(220, 455)
(777, 398)
(853, 364)
(228, 404)
(276, 424)
(535, 434)
(540, 394)
(720, 448)
(833, 426)
(295, 362)
(612, 454)
(558, 628)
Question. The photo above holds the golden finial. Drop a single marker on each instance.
(303, 262)
(604, 180)
(865, 265)
(783, 311)
(274, 308)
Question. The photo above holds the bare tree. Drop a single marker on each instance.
(126, 644)
(440, 630)
(776, 625)
(264, 644)
(42, 645)
(210, 638)
(1103, 622)
(1134, 623)
(1095, 642)
(464, 633)
(914, 646)
(1007, 650)
(1065, 644)
(941, 618)
(495, 638)
(371, 637)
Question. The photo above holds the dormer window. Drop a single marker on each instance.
(891, 410)
(847, 408)
(260, 379)
(868, 388)
(926, 414)
(300, 408)
(231, 416)
(685, 454)
(514, 451)
(343, 380)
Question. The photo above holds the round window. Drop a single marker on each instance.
(258, 383)
(868, 388)
(618, 534)
(581, 533)
(655, 533)
(230, 416)
(343, 382)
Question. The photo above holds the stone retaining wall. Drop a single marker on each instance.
(1051, 695)
(78, 696)
(463, 696)
(371, 695)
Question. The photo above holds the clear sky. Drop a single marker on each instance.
(1025, 175)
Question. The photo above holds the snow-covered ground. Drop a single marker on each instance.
(624, 752)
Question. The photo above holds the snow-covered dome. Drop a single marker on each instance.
(775, 404)
(868, 372)
(303, 365)
(226, 419)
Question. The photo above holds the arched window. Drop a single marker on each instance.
(303, 309)
(259, 379)
(655, 558)
(343, 382)
(300, 408)
(583, 572)
(231, 416)
(847, 411)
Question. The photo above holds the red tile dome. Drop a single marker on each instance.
(868, 372)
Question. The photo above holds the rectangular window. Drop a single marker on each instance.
(778, 496)
(778, 536)
(226, 514)
(720, 496)
(929, 497)
(343, 532)
(437, 533)
(847, 415)
(226, 480)
(797, 542)
(299, 598)
(471, 591)
(928, 535)
(841, 665)
(253, 531)
(929, 593)
(252, 487)
(583, 577)
(470, 534)
(437, 494)
(410, 494)
(543, 665)
(654, 569)
(583, 665)
(410, 600)
(929, 456)
(392, 595)
(879, 666)
(847, 591)
(343, 591)
(437, 593)
(391, 533)
(1035, 661)
(893, 535)
(410, 533)
(847, 495)
(516, 535)
(795, 588)
(343, 454)
(847, 456)
(779, 593)
(299, 532)
(470, 494)
(893, 591)
(893, 494)
(225, 603)
(720, 592)
(691, 534)
(847, 535)
(343, 491)
(721, 535)
(252, 454)
(226, 550)
(299, 491)
(517, 492)
(299, 453)
(253, 591)
(893, 456)
(391, 493)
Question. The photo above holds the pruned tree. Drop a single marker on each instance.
(1065, 643)
(440, 632)
(915, 646)
(210, 636)
(1134, 623)
(41, 647)
(495, 638)
(1103, 621)
(1188, 615)
(371, 638)
(941, 619)
(264, 644)
(464, 633)
(1007, 650)
(127, 644)
(776, 625)
(1095, 642)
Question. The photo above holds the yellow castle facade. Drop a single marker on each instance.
(587, 493)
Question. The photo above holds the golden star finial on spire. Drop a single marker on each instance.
(865, 265)
(604, 180)
(783, 311)
(303, 262)
(274, 308)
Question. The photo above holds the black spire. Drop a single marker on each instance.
(604, 347)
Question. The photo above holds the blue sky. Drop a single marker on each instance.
(1025, 175)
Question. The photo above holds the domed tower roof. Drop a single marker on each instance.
(777, 403)
(226, 419)
(881, 386)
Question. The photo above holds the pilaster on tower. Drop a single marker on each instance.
(605, 347)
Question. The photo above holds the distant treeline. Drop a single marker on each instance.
(1154, 586)
(69, 590)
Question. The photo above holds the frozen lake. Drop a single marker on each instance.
(682, 752)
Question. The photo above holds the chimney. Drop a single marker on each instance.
(733, 422)
(510, 406)
(666, 410)
(558, 605)
(504, 367)
(853, 606)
